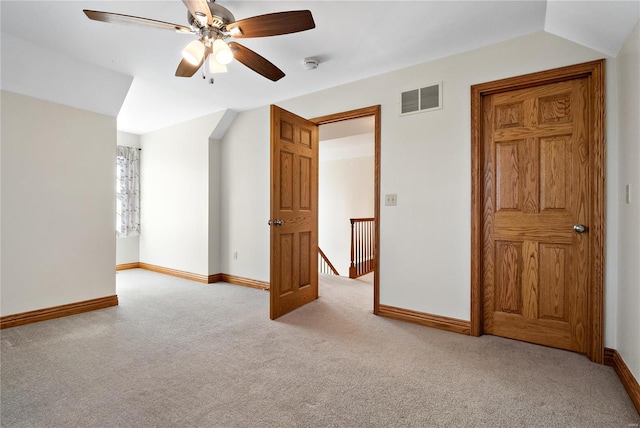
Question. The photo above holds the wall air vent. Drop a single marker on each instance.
(421, 100)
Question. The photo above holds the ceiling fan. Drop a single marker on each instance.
(214, 24)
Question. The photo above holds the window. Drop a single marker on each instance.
(127, 192)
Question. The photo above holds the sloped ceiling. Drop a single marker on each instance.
(600, 25)
(352, 39)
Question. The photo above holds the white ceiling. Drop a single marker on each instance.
(347, 128)
(347, 139)
(352, 40)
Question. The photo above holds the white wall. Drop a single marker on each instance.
(245, 196)
(175, 195)
(628, 310)
(425, 160)
(346, 188)
(58, 239)
(128, 249)
(215, 190)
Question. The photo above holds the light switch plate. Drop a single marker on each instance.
(391, 199)
(628, 190)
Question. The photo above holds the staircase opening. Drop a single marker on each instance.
(347, 198)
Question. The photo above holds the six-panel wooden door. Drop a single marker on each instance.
(536, 189)
(294, 212)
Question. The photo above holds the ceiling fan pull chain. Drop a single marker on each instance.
(204, 75)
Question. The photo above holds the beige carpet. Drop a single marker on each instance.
(177, 353)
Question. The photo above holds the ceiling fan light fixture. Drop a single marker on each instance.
(193, 52)
(221, 52)
(215, 67)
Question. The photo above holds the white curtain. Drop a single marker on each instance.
(127, 192)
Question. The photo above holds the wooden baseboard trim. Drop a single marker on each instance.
(435, 321)
(126, 266)
(207, 279)
(23, 318)
(216, 277)
(177, 273)
(245, 282)
(612, 358)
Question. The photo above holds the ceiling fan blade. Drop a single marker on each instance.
(199, 8)
(117, 18)
(255, 62)
(186, 69)
(273, 24)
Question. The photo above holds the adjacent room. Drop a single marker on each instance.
(355, 213)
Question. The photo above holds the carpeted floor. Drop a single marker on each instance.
(177, 353)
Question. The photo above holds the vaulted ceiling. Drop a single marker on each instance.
(352, 40)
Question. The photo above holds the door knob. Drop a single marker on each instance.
(579, 228)
(275, 222)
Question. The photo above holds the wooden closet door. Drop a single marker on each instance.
(536, 189)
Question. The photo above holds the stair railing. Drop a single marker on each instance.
(325, 265)
(362, 246)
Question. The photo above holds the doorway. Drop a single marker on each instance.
(346, 198)
(294, 181)
(538, 146)
(375, 113)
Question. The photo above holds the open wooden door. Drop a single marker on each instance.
(294, 212)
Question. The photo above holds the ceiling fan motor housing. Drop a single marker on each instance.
(220, 17)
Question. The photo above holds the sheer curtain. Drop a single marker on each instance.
(127, 192)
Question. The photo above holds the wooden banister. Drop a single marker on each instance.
(325, 264)
(362, 246)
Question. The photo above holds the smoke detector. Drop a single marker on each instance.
(310, 63)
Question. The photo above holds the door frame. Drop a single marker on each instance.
(594, 71)
(374, 111)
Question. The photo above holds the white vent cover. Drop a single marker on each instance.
(422, 99)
